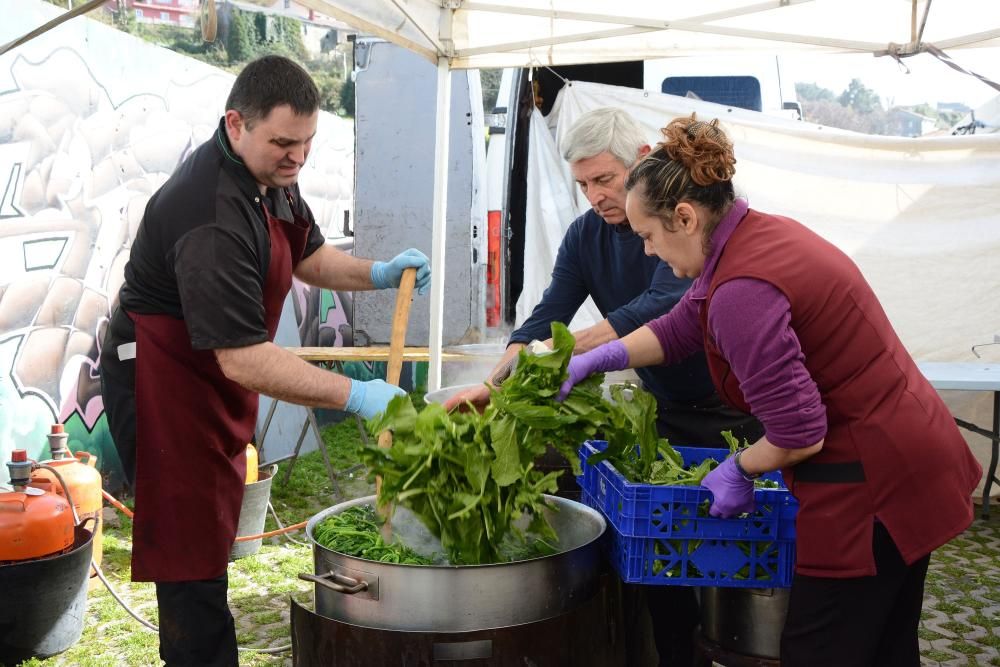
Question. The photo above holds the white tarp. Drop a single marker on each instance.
(919, 216)
(518, 33)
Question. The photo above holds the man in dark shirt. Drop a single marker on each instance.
(600, 257)
(190, 345)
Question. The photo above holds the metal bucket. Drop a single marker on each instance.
(460, 598)
(253, 512)
(747, 621)
(44, 602)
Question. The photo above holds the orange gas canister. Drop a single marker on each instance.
(252, 465)
(81, 476)
(33, 523)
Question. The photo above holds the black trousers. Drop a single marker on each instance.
(699, 423)
(858, 622)
(118, 392)
(196, 626)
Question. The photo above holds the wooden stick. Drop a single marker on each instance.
(397, 341)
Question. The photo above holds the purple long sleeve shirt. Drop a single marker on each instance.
(750, 321)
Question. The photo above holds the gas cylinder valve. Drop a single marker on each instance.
(57, 442)
(19, 468)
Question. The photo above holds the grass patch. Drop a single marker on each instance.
(936, 655)
(928, 635)
(965, 648)
(266, 617)
(957, 627)
(946, 607)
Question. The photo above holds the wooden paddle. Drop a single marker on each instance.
(397, 340)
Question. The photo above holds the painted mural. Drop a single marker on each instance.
(87, 133)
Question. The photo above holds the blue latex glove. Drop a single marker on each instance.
(388, 274)
(368, 399)
(733, 492)
(611, 356)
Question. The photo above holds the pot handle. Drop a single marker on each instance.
(336, 582)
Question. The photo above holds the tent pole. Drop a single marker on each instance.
(440, 210)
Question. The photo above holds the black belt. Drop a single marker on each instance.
(848, 472)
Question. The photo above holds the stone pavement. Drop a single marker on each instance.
(960, 624)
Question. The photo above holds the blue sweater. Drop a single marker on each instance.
(596, 259)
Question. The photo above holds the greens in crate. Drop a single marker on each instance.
(469, 476)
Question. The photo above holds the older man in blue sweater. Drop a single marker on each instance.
(601, 258)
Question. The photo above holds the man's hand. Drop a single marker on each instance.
(478, 396)
(368, 399)
(388, 274)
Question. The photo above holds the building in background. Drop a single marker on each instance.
(182, 13)
(320, 34)
(910, 123)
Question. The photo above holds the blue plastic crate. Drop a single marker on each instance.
(692, 562)
(651, 510)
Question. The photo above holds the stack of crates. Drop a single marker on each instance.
(663, 535)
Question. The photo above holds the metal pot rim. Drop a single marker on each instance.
(370, 500)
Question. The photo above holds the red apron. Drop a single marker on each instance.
(193, 425)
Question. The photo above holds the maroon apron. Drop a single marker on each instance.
(193, 425)
(912, 468)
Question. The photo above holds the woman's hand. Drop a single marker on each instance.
(732, 492)
(604, 358)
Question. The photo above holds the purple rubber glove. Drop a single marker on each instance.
(611, 356)
(732, 491)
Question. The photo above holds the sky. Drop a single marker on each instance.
(929, 80)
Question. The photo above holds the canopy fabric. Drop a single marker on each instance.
(918, 216)
(520, 33)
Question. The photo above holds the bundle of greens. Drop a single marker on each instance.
(469, 476)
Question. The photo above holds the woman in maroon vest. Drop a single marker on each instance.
(795, 336)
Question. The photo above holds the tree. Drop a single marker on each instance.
(347, 98)
(489, 80)
(810, 92)
(859, 97)
(242, 41)
(833, 114)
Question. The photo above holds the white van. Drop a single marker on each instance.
(748, 82)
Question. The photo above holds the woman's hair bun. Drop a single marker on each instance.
(702, 147)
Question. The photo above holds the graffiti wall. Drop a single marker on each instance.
(92, 122)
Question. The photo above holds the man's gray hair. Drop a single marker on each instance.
(603, 130)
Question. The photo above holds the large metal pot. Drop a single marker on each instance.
(446, 598)
(745, 620)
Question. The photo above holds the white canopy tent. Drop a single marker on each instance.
(457, 34)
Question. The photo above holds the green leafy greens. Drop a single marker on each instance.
(469, 476)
